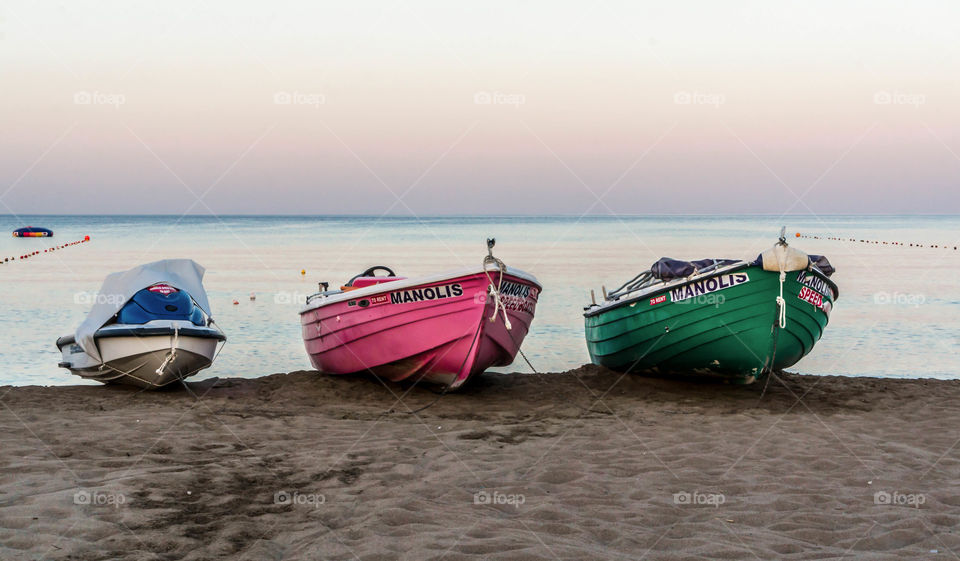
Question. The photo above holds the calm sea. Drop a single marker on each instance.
(898, 314)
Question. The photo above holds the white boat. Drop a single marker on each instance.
(148, 327)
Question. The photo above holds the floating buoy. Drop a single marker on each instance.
(236, 302)
(253, 295)
(303, 272)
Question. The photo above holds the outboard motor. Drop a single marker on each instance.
(160, 301)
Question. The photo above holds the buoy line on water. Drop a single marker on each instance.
(877, 242)
(48, 250)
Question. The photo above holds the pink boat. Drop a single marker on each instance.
(443, 328)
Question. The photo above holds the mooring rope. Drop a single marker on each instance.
(173, 351)
(781, 303)
(494, 291)
(446, 388)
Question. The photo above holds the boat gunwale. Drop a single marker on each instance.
(334, 297)
(692, 310)
(140, 332)
(631, 297)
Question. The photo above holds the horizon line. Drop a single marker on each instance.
(417, 217)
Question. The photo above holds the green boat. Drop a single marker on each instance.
(720, 317)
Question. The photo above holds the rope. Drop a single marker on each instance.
(495, 290)
(540, 377)
(173, 351)
(781, 258)
(118, 371)
(781, 303)
(183, 379)
(781, 320)
(476, 337)
(498, 306)
(767, 370)
(222, 345)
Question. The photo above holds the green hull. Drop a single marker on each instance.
(724, 324)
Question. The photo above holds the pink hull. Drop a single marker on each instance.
(436, 331)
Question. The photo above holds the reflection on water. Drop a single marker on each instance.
(897, 314)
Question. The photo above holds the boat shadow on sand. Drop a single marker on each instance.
(587, 391)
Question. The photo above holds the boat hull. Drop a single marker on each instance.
(142, 361)
(398, 334)
(731, 331)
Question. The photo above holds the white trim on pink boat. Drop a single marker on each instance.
(339, 296)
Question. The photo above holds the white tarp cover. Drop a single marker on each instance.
(119, 288)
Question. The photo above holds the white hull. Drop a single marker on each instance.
(146, 361)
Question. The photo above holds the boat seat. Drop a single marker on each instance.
(363, 282)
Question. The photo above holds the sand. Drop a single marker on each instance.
(582, 465)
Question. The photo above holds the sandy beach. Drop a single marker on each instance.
(587, 464)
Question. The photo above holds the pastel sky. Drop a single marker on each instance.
(487, 107)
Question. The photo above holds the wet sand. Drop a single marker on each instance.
(587, 464)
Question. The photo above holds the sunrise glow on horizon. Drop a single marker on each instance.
(426, 108)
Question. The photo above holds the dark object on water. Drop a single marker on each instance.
(31, 232)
